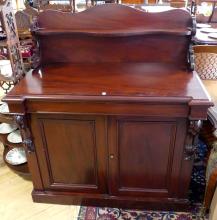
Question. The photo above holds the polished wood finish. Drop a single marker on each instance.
(134, 151)
(87, 163)
(121, 18)
(85, 35)
(120, 81)
(109, 98)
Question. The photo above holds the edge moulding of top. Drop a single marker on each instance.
(114, 17)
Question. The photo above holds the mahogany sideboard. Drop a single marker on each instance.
(110, 115)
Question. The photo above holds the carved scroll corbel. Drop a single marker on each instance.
(25, 132)
(19, 119)
(29, 145)
(191, 140)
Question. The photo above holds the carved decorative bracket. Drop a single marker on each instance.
(192, 139)
(194, 127)
(25, 132)
(19, 119)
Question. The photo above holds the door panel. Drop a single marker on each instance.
(71, 152)
(142, 156)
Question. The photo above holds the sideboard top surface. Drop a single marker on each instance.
(114, 79)
(126, 54)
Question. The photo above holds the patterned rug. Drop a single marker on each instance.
(96, 213)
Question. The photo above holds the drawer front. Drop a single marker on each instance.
(146, 156)
(71, 152)
(130, 107)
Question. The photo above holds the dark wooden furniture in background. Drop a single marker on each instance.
(9, 51)
(21, 169)
(132, 2)
(10, 46)
(61, 5)
(110, 115)
(177, 3)
(196, 3)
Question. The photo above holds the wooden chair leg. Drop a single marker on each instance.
(210, 189)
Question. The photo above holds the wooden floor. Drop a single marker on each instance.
(16, 202)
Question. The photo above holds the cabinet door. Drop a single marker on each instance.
(71, 151)
(145, 156)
